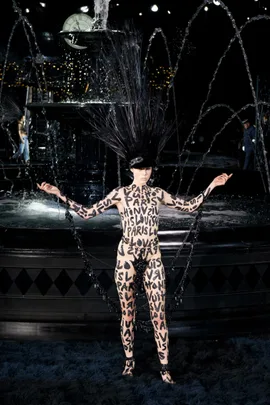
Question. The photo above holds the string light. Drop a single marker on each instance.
(154, 8)
(16, 76)
(161, 78)
(84, 9)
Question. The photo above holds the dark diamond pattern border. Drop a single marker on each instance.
(218, 279)
(5, 281)
(63, 282)
(43, 282)
(235, 278)
(23, 281)
(200, 280)
(83, 283)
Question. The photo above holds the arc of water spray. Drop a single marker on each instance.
(195, 126)
(221, 130)
(25, 22)
(161, 32)
(196, 224)
(171, 85)
(252, 89)
(179, 292)
(1, 93)
(6, 56)
(218, 67)
(202, 116)
(52, 144)
(238, 36)
(54, 167)
(101, 9)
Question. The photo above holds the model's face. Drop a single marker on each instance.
(246, 125)
(142, 175)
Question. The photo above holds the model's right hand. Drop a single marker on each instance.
(49, 189)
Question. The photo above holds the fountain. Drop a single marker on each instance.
(101, 14)
(223, 266)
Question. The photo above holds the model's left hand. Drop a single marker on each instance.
(221, 180)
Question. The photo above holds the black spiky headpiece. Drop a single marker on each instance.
(133, 124)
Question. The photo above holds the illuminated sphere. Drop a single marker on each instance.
(154, 8)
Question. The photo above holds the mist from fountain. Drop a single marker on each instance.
(101, 9)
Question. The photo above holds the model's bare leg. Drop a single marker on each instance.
(124, 279)
(154, 283)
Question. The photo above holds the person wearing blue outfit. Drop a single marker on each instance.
(249, 145)
(24, 142)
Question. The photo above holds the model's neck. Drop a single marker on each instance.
(138, 184)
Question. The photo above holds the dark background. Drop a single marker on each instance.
(209, 36)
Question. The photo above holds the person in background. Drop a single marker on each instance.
(266, 133)
(24, 142)
(249, 144)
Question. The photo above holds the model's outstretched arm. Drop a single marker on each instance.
(111, 199)
(193, 204)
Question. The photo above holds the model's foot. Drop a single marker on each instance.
(166, 375)
(129, 366)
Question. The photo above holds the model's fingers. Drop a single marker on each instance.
(230, 175)
(45, 186)
(222, 178)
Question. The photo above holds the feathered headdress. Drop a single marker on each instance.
(134, 124)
